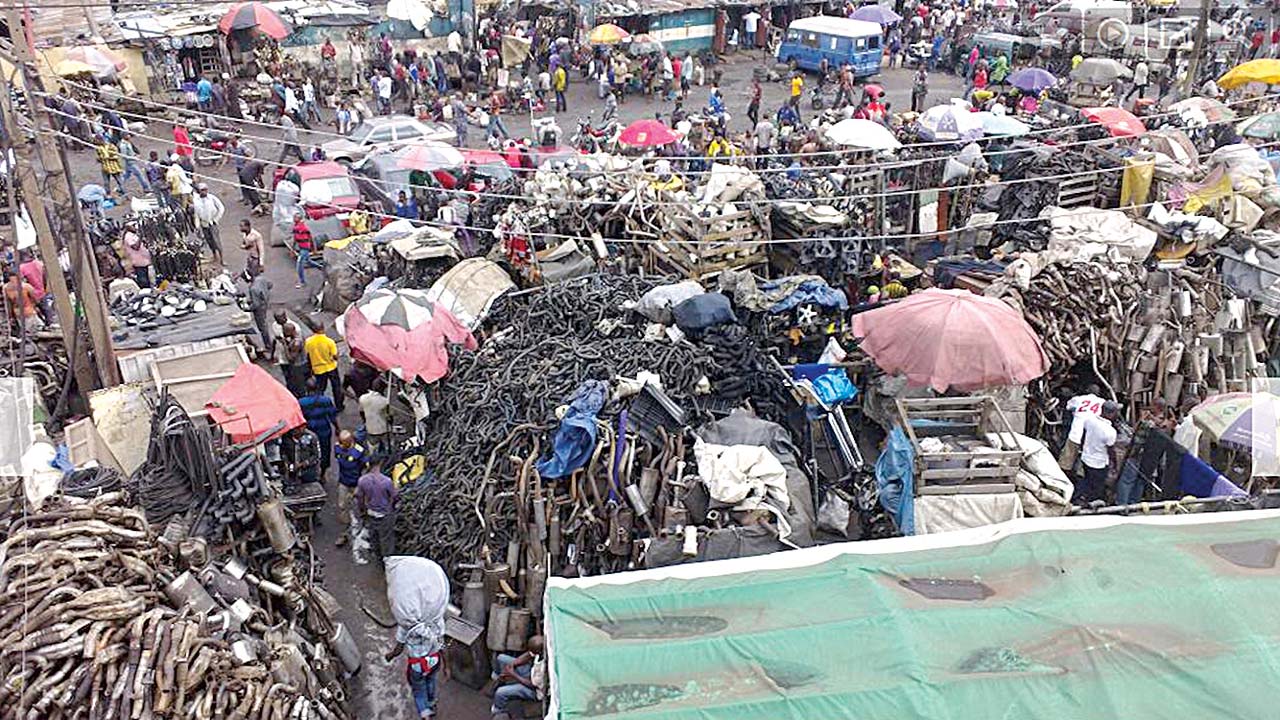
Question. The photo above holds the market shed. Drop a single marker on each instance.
(1082, 617)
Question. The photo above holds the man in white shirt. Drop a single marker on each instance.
(373, 407)
(1081, 406)
(1141, 78)
(384, 93)
(208, 210)
(1098, 437)
(309, 108)
(750, 22)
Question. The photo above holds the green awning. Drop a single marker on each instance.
(1060, 619)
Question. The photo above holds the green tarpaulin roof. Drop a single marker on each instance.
(1088, 618)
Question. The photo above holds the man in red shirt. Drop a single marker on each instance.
(1275, 42)
(1255, 44)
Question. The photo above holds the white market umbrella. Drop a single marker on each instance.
(856, 132)
(950, 122)
(416, 12)
(403, 308)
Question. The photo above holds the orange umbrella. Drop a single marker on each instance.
(952, 339)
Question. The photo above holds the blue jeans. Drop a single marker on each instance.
(514, 691)
(423, 687)
(751, 39)
(131, 169)
(496, 127)
(304, 262)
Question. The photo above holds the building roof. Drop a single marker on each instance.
(74, 24)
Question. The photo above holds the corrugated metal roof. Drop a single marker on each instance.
(72, 25)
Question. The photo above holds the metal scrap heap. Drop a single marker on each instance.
(499, 403)
(103, 620)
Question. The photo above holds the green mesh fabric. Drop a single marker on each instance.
(1132, 621)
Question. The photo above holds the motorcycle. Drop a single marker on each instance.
(212, 145)
(591, 138)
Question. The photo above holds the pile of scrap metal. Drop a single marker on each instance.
(43, 358)
(104, 619)
(613, 424)
(1146, 335)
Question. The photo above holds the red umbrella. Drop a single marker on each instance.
(952, 339)
(245, 15)
(252, 402)
(1118, 121)
(647, 133)
(402, 331)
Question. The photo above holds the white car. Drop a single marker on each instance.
(385, 132)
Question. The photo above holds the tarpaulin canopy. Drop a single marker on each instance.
(952, 339)
(404, 332)
(252, 402)
(1081, 618)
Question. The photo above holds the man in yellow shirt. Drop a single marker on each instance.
(322, 351)
(560, 81)
(797, 87)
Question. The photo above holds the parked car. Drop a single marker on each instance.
(324, 191)
(383, 132)
(380, 180)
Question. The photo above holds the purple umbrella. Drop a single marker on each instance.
(876, 14)
(1033, 80)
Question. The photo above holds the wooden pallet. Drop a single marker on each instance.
(697, 251)
(958, 472)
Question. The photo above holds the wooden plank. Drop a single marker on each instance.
(945, 401)
(966, 473)
(974, 489)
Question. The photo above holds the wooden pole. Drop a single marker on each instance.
(63, 219)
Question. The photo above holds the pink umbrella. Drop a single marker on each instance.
(952, 339)
(404, 332)
(1118, 121)
(647, 133)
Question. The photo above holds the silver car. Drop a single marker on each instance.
(382, 132)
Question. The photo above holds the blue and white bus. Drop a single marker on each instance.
(839, 40)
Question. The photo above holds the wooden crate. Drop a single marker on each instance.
(962, 472)
(697, 249)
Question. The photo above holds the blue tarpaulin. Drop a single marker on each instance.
(811, 292)
(895, 477)
(576, 438)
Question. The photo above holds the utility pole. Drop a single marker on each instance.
(63, 220)
(1197, 50)
(21, 166)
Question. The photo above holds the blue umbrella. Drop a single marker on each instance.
(1033, 80)
(876, 14)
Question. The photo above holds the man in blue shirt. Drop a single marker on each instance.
(405, 207)
(351, 462)
(322, 417)
(204, 94)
